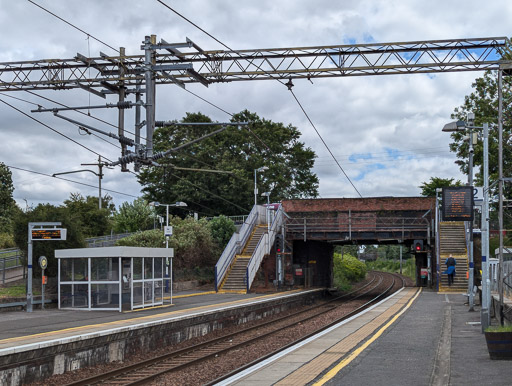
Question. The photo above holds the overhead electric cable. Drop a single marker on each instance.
(72, 25)
(279, 80)
(325, 144)
(207, 191)
(68, 180)
(52, 129)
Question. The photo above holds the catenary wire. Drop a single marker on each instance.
(295, 97)
(68, 180)
(72, 25)
(89, 133)
(207, 191)
(325, 144)
(52, 129)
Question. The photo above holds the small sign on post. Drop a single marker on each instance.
(168, 231)
(43, 263)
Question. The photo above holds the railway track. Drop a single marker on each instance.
(148, 370)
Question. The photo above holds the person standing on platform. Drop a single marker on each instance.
(450, 264)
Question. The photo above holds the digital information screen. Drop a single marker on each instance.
(458, 203)
(49, 234)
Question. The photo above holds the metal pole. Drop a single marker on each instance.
(486, 289)
(255, 189)
(42, 289)
(100, 176)
(438, 252)
(29, 266)
(149, 56)
(500, 190)
(120, 129)
(166, 247)
(471, 262)
(400, 259)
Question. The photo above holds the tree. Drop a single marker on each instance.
(483, 102)
(94, 221)
(192, 242)
(238, 151)
(221, 229)
(7, 203)
(428, 189)
(48, 213)
(133, 217)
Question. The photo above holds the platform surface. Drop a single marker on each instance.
(20, 330)
(434, 340)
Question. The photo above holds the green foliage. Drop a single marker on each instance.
(221, 229)
(153, 238)
(7, 203)
(507, 328)
(93, 221)
(408, 266)
(237, 150)
(48, 213)
(347, 270)
(428, 189)
(134, 217)
(483, 102)
(192, 242)
(7, 241)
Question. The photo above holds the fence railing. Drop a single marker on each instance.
(263, 247)
(235, 244)
(10, 259)
(105, 241)
(494, 276)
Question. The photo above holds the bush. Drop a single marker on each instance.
(7, 241)
(221, 229)
(192, 242)
(408, 266)
(347, 270)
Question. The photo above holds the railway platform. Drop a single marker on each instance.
(43, 343)
(413, 338)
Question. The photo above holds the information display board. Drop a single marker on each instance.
(49, 234)
(458, 203)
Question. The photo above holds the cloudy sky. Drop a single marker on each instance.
(385, 131)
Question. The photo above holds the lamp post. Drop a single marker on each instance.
(167, 233)
(267, 194)
(462, 126)
(263, 168)
(100, 176)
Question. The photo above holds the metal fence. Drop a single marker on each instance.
(10, 259)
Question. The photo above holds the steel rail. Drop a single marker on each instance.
(224, 343)
(344, 317)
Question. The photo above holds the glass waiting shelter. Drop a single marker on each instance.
(111, 278)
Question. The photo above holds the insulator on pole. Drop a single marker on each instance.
(126, 141)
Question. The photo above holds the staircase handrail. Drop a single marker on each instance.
(255, 260)
(263, 247)
(233, 247)
(248, 225)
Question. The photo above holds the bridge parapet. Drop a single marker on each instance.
(379, 220)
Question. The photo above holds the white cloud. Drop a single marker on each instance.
(363, 115)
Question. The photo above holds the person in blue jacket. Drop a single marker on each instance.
(450, 271)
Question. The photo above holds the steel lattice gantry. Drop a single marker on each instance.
(181, 63)
(242, 65)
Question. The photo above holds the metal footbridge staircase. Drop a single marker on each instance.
(237, 266)
(452, 241)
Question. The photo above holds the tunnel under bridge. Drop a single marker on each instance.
(313, 227)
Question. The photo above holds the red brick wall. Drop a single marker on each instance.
(360, 204)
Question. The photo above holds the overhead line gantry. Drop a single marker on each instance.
(186, 62)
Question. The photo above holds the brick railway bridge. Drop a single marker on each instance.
(293, 243)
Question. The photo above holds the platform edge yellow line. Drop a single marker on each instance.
(336, 369)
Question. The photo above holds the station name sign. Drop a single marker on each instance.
(458, 203)
(49, 234)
